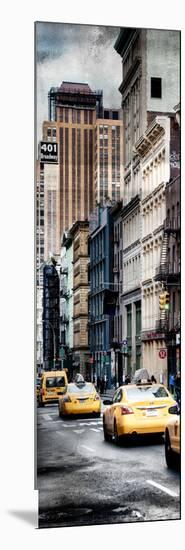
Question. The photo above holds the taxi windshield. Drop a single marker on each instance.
(143, 393)
(55, 382)
(86, 388)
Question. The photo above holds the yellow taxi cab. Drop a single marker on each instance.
(80, 398)
(53, 385)
(172, 437)
(137, 409)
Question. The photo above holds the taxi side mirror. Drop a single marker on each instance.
(174, 409)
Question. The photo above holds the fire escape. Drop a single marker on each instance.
(168, 272)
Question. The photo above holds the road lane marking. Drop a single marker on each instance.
(162, 488)
(68, 425)
(78, 431)
(46, 417)
(94, 429)
(85, 423)
(88, 448)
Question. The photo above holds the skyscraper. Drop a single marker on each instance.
(89, 140)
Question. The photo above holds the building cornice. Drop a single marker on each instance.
(131, 291)
(130, 206)
(79, 224)
(149, 138)
(133, 245)
(149, 236)
(128, 79)
(123, 40)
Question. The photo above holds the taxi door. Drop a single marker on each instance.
(112, 411)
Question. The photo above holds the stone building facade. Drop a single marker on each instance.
(150, 86)
(154, 150)
(81, 356)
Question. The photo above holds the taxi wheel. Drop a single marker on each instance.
(170, 458)
(107, 437)
(97, 415)
(116, 436)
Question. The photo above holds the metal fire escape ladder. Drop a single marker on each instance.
(164, 271)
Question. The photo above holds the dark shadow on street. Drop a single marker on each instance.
(28, 516)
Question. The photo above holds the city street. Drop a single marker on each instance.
(83, 480)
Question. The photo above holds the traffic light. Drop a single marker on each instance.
(167, 300)
(164, 300)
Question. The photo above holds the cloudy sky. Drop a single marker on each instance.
(76, 53)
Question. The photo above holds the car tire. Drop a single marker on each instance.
(116, 436)
(107, 437)
(97, 415)
(59, 412)
(169, 454)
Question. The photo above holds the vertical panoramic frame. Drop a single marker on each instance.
(107, 374)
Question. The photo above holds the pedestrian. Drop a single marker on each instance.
(172, 382)
(101, 385)
(127, 379)
(153, 379)
(178, 387)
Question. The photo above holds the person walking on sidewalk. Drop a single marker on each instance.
(178, 387)
(172, 382)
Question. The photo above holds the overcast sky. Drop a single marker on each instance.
(76, 53)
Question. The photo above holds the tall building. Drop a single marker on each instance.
(39, 261)
(39, 221)
(119, 350)
(154, 151)
(101, 286)
(109, 156)
(51, 317)
(66, 299)
(74, 108)
(168, 269)
(81, 356)
(89, 163)
(150, 87)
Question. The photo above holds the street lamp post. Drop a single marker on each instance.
(54, 342)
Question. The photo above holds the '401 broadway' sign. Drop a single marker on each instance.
(48, 152)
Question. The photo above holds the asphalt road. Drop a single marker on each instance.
(83, 480)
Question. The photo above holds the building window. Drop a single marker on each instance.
(85, 117)
(115, 115)
(156, 87)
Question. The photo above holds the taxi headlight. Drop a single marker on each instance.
(66, 399)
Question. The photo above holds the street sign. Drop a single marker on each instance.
(162, 353)
(48, 152)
